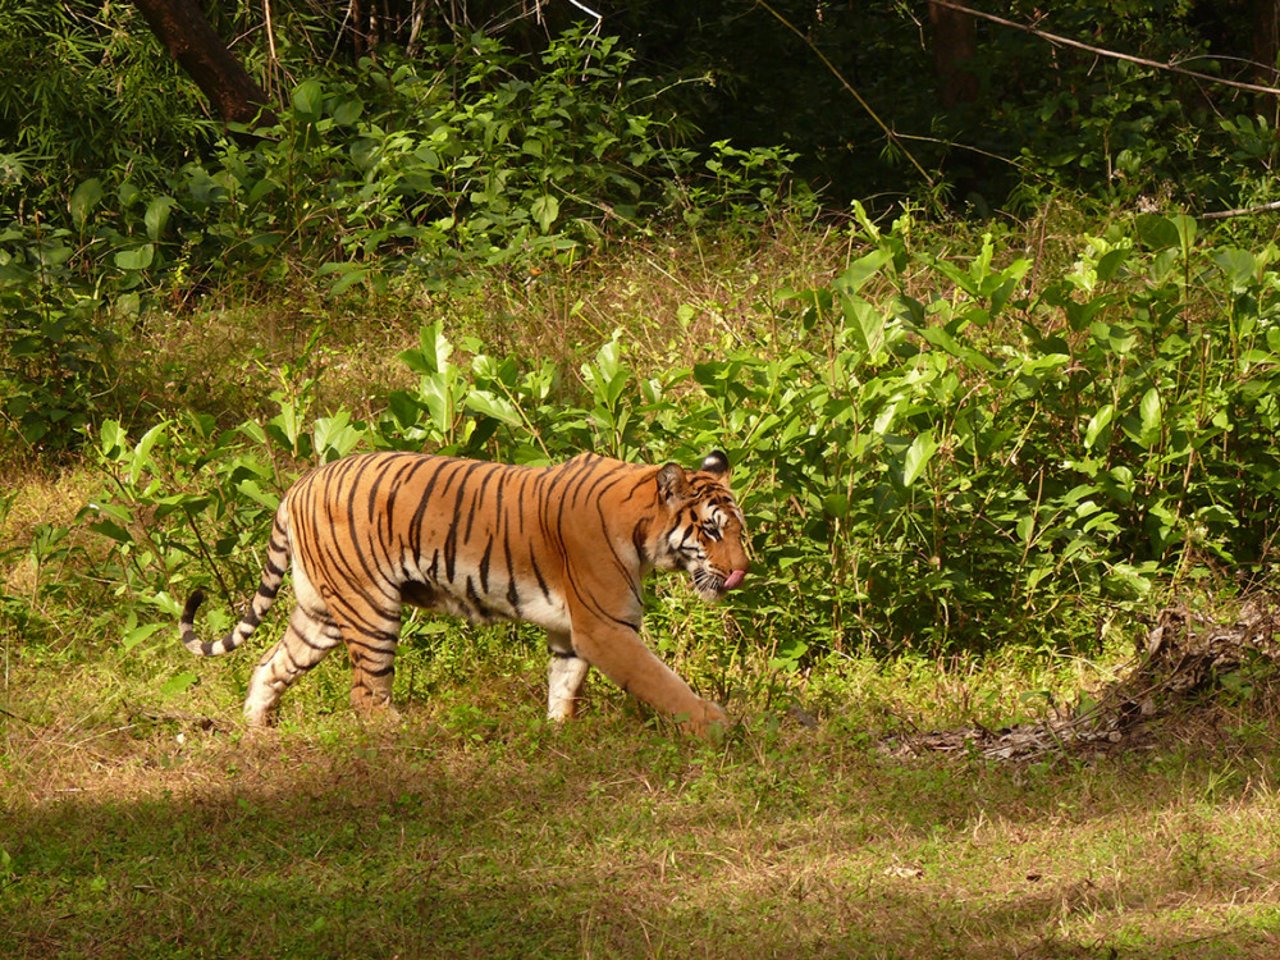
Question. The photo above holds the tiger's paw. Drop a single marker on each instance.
(708, 721)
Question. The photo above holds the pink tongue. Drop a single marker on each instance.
(734, 579)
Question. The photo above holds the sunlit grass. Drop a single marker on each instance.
(485, 831)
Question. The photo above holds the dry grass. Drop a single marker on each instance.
(418, 839)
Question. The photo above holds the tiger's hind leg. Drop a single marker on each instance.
(311, 634)
(371, 636)
(565, 676)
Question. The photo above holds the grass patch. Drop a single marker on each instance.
(435, 837)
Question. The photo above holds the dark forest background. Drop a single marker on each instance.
(878, 101)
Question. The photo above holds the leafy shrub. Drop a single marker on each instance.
(396, 166)
(54, 343)
(932, 455)
(390, 170)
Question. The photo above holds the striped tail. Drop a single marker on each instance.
(272, 576)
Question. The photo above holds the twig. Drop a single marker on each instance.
(587, 10)
(1242, 211)
(1103, 52)
(15, 716)
(272, 60)
(893, 137)
(208, 556)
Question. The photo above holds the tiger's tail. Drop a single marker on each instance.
(278, 553)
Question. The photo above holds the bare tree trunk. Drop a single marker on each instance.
(181, 26)
(1266, 48)
(955, 43)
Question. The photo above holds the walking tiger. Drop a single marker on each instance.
(563, 547)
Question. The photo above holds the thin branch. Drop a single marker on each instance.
(1241, 212)
(585, 9)
(1103, 52)
(273, 61)
(893, 137)
(16, 717)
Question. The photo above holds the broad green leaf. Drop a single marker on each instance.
(128, 193)
(437, 395)
(1025, 528)
(1126, 582)
(111, 439)
(863, 269)
(1240, 267)
(404, 407)
(83, 199)
(139, 258)
(1150, 412)
(921, 451)
(109, 528)
(336, 436)
(253, 430)
(438, 347)
(177, 684)
(1098, 423)
(866, 323)
(251, 489)
(190, 503)
(136, 635)
(307, 99)
(1157, 232)
(348, 111)
(490, 405)
(142, 452)
(836, 505)
(351, 275)
(1037, 574)
(545, 210)
(1112, 261)
(1186, 229)
(157, 215)
(939, 337)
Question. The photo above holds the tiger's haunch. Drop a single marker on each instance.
(563, 547)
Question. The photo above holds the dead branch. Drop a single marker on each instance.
(1104, 52)
(1184, 655)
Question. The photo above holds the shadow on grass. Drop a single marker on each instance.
(612, 842)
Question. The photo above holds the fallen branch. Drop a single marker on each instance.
(1184, 655)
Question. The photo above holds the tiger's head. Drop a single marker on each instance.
(704, 532)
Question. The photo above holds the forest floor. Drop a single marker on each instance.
(138, 818)
(469, 827)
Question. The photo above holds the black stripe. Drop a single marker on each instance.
(484, 567)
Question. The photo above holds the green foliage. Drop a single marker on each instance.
(54, 347)
(398, 167)
(102, 99)
(932, 455)
(96, 93)
(391, 172)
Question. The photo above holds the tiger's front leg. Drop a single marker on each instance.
(618, 652)
(566, 674)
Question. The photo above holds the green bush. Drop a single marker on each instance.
(932, 456)
(391, 172)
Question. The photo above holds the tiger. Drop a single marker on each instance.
(563, 547)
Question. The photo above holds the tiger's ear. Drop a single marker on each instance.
(673, 485)
(717, 464)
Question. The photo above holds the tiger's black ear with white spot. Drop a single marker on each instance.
(673, 485)
(716, 463)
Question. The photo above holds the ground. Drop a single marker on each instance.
(471, 827)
